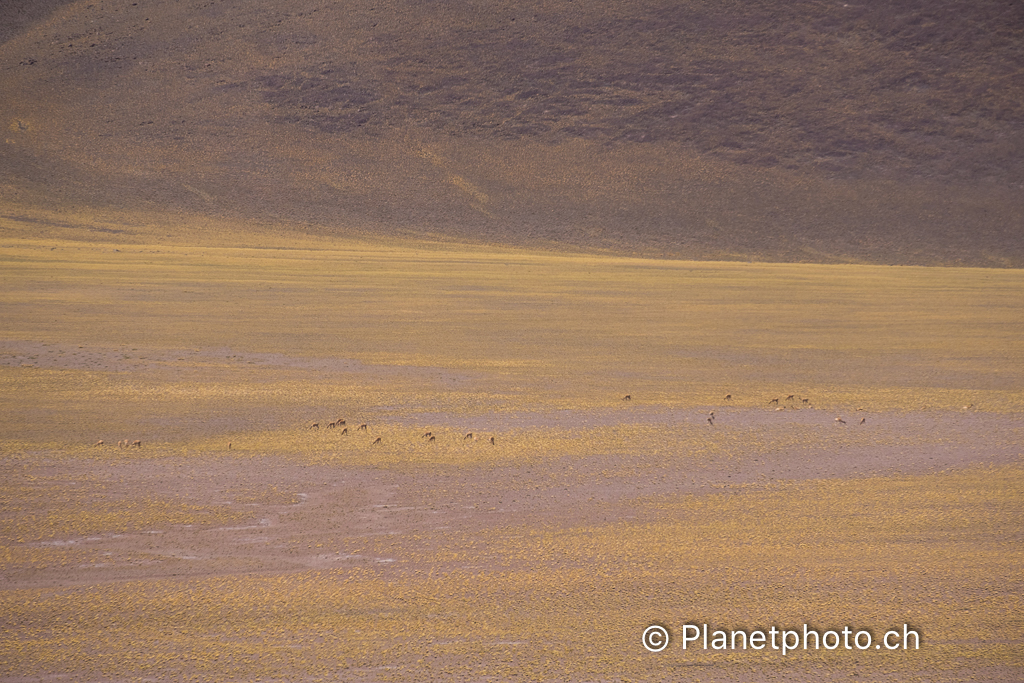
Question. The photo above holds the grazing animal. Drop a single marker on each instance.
(780, 408)
(774, 400)
(431, 439)
(968, 407)
(840, 420)
(330, 425)
(344, 432)
(376, 441)
(492, 440)
(137, 443)
(314, 425)
(229, 445)
(627, 397)
(468, 436)
(120, 444)
(427, 435)
(340, 423)
(805, 400)
(790, 397)
(98, 443)
(863, 420)
(728, 397)
(361, 428)
(711, 421)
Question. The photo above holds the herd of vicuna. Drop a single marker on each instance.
(431, 438)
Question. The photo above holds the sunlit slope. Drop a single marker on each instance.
(698, 130)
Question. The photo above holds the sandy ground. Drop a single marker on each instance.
(403, 503)
(245, 513)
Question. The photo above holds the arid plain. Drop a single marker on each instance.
(791, 233)
(239, 543)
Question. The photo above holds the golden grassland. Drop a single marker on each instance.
(594, 516)
(659, 329)
(568, 603)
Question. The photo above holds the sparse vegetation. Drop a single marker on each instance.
(303, 553)
(813, 132)
(594, 309)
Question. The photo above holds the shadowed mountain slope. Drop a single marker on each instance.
(889, 132)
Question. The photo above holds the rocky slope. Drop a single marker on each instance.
(879, 132)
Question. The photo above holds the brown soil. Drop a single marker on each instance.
(373, 501)
(287, 517)
(884, 133)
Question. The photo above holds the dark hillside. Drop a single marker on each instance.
(890, 132)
